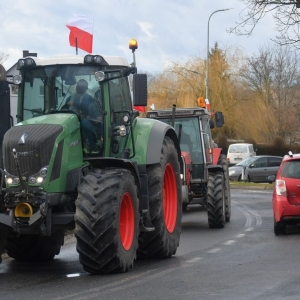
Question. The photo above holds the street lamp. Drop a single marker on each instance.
(207, 57)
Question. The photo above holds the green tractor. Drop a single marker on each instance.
(81, 158)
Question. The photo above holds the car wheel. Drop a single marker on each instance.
(279, 228)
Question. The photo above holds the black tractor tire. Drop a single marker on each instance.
(185, 207)
(107, 221)
(31, 247)
(223, 162)
(2, 242)
(216, 200)
(2, 230)
(165, 205)
(279, 228)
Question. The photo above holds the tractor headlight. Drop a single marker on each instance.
(90, 59)
(99, 76)
(11, 179)
(39, 177)
(152, 115)
(122, 130)
(17, 79)
(25, 62)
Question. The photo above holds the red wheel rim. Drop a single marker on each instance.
(170, 198)
(126, 221)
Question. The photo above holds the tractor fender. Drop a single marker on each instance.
(214, 168)
(156, 137)
(216, 152)
(149, 136)
(119, 163)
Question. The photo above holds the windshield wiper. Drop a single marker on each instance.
(35, 111)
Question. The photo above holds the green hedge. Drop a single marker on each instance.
(277, 148)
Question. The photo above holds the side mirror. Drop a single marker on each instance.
(271, 178)
(140, 92)
(219, 119)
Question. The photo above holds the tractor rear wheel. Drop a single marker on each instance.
(223, 162)
(30, 247)
(216, 200)
(2, 231)
(165, 204)
(107, 221)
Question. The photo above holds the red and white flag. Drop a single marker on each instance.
(81, 32)
(140, 108)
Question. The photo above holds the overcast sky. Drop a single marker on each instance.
(166, 30)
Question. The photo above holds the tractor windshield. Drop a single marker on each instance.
(74, 89)
(48, 88)
(188, 132)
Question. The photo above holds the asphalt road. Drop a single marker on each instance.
(245, 260)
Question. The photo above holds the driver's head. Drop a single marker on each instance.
(81, 86)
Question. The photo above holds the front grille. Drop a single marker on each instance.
(34, 149)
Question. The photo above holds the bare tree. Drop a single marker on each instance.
(285, 13)
(273, 79)
(3, 57)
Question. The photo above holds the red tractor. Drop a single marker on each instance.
(205, 179)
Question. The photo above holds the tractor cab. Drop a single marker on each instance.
(95, 88)
(192, 126)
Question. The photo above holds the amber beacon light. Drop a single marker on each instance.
(133, 44)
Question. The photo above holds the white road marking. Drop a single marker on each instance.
(246, 214)
(73, 275)
(257, 216)
(240, 235)
(194, 259)
(215, 250)
(249, 229)
(229, 242)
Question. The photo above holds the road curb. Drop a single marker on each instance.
(239, 187)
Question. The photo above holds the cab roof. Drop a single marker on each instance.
(76, 59)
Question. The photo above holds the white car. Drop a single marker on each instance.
(238, 152)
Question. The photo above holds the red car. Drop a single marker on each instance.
(286, 194)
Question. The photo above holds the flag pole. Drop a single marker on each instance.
(76, 46)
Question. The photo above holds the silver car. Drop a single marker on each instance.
(255, 168)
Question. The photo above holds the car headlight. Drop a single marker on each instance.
(231, 172)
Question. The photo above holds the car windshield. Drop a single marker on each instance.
(237, 149)
(246, 162)
(291, 169)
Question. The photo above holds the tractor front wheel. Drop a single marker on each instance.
(223, 162)
(216, 200)
(30, 247)
(107, 221)
(165, 202)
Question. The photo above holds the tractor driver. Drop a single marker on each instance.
(84, 105)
